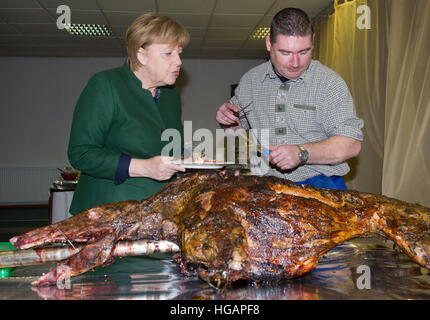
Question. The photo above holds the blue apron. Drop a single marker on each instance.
(322, 181)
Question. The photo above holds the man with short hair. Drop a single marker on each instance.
(306, 108)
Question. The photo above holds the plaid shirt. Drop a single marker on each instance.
(311, 108)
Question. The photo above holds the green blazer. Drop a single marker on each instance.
(115, 115)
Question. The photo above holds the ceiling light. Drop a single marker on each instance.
(88, 30)
(260, 33)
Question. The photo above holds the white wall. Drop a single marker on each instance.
(36, 106)
(38, 96)
(205, 85)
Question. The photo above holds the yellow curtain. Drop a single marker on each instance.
(387, 69)
(359, 56)
(406, 170)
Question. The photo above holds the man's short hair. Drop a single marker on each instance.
(290, 22)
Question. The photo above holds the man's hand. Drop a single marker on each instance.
(158, 168)
(332, 150)
(285, 157)
(227, 115)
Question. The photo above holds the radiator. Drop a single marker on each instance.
(26, 185)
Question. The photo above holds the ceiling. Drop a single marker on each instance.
(219, 29)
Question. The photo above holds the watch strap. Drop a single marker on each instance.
(303, 155)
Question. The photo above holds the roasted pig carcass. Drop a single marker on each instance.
(231, 228)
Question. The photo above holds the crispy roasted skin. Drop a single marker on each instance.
(231, 228)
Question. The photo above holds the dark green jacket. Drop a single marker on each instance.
(115, 115)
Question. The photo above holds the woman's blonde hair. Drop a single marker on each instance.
(152, 28)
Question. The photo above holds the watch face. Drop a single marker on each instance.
(304, 156)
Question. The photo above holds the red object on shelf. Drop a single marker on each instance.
(69, 176)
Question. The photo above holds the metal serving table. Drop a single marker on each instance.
(392, 276)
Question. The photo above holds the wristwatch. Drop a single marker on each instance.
(303, 155)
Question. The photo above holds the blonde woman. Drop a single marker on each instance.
(115, 140)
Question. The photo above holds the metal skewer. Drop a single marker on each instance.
(260, 148)
(35, 256)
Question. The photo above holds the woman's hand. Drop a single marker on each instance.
(158, 168)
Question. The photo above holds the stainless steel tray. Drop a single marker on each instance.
(392, 276)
